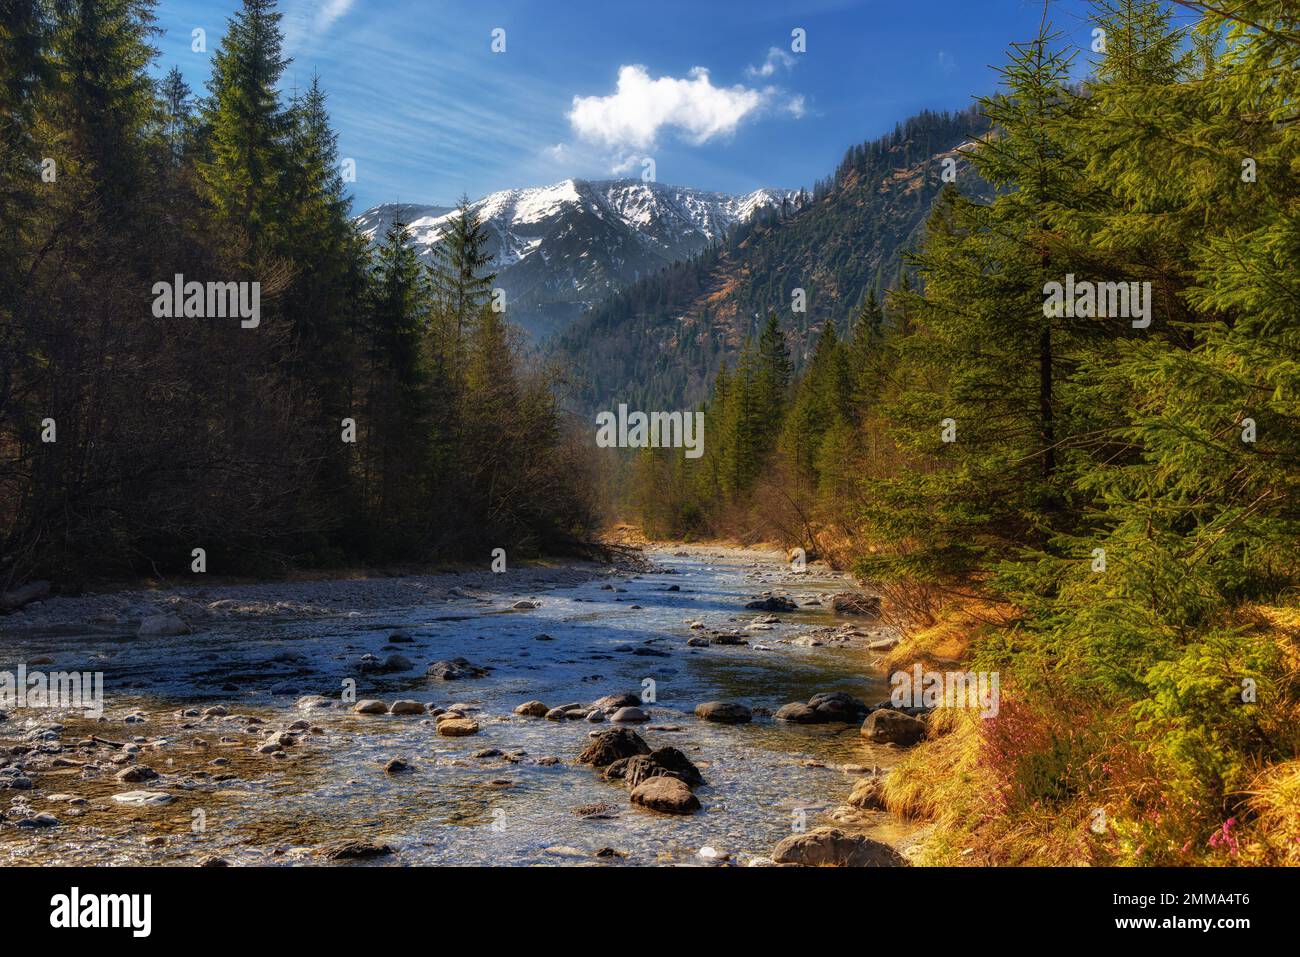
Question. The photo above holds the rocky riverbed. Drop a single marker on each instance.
(452, 719)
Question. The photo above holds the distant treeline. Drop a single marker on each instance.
(375, 411)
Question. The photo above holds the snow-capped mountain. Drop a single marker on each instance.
(559, 249)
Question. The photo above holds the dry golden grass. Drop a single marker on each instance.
(1284, 623)
(927, 784)
(938, 777)
(959, 623)
(1274, 834)
(943, 782)
(946, 782)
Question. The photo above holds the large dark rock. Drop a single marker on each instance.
(831, 847)
(665, 761)
(608, 746)
(838, 706)
(617, 770)
(666, 795)
(869, 793)
(612, 702)
(354, 850)
(724, 712)
(730, 639)
(772, 603)
(641, 768)
(893, 727)
(678, 765)
(796, 712)
(454, 670)
(24, 595)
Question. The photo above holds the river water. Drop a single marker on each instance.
(764, 779)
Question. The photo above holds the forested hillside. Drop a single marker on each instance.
(1097, 498)
(374, 410)
(659, 343)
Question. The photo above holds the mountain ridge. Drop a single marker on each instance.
(658, 343)
(560, 249)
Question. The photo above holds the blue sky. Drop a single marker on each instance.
(710, 90)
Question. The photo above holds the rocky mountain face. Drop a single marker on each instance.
(559, 250)
(659, 343)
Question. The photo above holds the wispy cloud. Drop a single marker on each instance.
(776, 59)
(308, 20)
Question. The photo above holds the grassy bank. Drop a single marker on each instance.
(1077, 780)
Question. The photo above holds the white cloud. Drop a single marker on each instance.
(776, 59)
(796, 107)
(625, 164)
(641, 106)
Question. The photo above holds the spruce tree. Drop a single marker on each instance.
(772, 373)
(247, 129)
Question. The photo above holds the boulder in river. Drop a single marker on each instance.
(532, 709)
(665, 761)
(406, 706)
(831, 847)
(771, 603)
(821, 708)
(723, 712)
(567, 712)
(144, 798)
(136, 773)
(838, 706)
(885, 726)
(612, 702)
(457, 727)
(454, 670)
(869, 793)
(608, 746)
(370, 706)
(162, 626)
(630, 716)
(730, 639)
(354, 850)
(665, 794)
(796, 712)
(40, 819)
